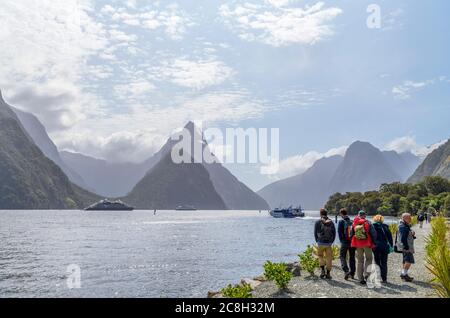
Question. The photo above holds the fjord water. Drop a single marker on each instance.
(138, 254)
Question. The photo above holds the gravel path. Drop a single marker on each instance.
(308, 287)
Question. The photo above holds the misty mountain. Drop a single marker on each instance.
(107, 179)
(37, 132)
(437, 163)
(404, 163)
(310, 189)
(364, 167)
(169, 185)
(234, 194)
(28, 179)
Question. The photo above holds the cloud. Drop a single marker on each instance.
(172, 19)
(46, 45)
(134, 89)
(195, 74)
(404, 90)
(298, 164)
(99, 137)
(407, 88)
(277, 25)
(124, 146)
(409, 144)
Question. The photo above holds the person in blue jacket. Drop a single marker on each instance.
(344, 233)
(383, 245)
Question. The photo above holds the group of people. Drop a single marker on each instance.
(362, 243)
(424, 217)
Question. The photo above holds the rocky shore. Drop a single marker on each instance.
(304, 286)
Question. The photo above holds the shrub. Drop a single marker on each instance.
(438, 235)
(414, 220)
(278, 273)
(438, 257)
(335, 249)
(393, 227)
(336, 252)
(308, 261)
(238, 291)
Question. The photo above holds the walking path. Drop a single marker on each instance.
(304, 286)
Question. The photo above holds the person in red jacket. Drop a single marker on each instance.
(363, 238)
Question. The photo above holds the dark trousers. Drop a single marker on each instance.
(381, 259)
(346, 249)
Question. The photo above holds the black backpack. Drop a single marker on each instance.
(326, 232)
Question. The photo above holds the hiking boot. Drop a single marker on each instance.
(323, 274)
(347, 276)
(407, 278)
(363, 282)
(328, 275)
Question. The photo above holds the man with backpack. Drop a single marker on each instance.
(421, 218)
(325, 234)
(363, 238)
(405, 244)
(344, 233)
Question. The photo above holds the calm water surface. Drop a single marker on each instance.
(138, 254)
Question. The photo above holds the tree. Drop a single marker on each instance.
(436, 185)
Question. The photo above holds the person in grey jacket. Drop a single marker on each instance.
(405, 244)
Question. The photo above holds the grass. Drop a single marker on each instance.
(393, 227)
(414, 220)
(308, 261)
(438, 256)
(335, 249)
(278, 273)
(238, 291)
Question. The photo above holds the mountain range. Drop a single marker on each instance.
(28, 179)
(35, 175)
(437, 163)
(362, 168)
(216, 187)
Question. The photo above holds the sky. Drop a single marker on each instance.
(113, 79)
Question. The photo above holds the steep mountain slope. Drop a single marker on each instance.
(437, 163)
(364, 168)
(235, 194)
(106, 178)
(404, 164)
(28, 179)
(37, 132)
(118, 179)
(309, 188)
(169, 185)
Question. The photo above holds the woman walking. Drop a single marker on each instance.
(383, 245)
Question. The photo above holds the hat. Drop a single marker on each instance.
(362, 213)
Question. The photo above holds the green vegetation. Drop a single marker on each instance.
(278, 273)
(238, 291)
(28, 179)
(335, 249)
(393, 227)
(438, 256)
(432, 195)
(308, 261)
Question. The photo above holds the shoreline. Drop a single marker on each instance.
(303, 285)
